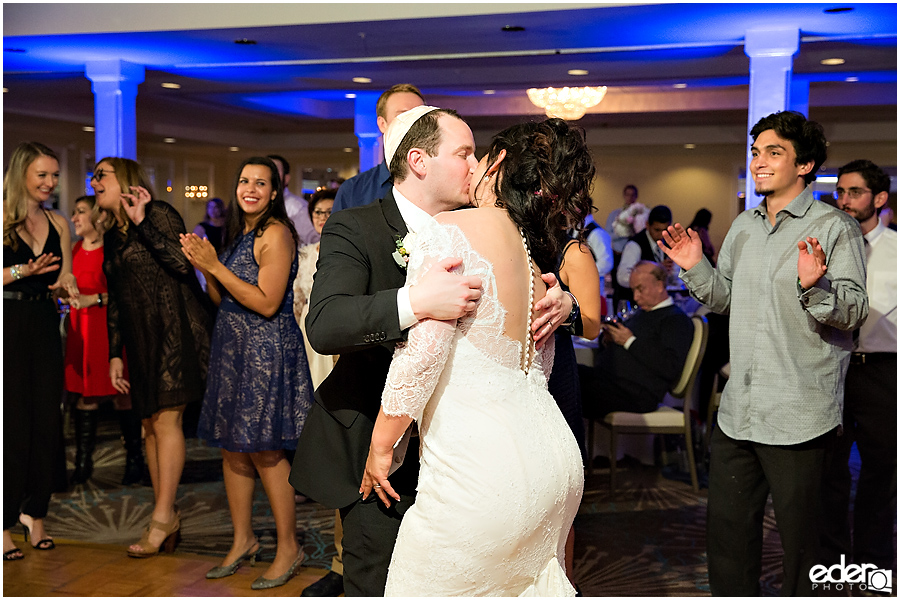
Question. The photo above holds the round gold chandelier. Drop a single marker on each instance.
(569, 103)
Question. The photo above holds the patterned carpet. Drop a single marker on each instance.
(647, 541)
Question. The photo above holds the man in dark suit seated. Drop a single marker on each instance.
(643, 357)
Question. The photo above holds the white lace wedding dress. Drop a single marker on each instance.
(501, 476)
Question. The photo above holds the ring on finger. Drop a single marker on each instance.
(377, 486)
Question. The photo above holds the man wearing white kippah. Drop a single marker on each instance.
(360, 309)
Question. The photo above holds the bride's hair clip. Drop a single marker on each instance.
(540, 194)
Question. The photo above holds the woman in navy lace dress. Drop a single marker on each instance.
(258, 390)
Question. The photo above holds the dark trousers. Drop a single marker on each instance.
(370, 531)
(603, 395)
(870, 420)
(32, 395)
(741, 476)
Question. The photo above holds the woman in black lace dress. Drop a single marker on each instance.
(159, 313)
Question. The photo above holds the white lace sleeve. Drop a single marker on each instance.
(418, 363)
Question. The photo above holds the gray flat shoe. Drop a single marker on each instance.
(262, 583)
(229, 570)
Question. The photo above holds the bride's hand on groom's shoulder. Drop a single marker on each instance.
(375, 478)
(552, 310)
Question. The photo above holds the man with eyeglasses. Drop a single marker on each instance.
(870, 391)
(791, 273)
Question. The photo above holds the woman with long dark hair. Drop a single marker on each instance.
(501, 474)
(37, 267)
(259, 389)
(159, 314)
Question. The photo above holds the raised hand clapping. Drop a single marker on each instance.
(199, 251)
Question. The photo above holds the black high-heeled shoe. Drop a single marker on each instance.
(44, 544)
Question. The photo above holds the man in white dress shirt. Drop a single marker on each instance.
(870, 391)
(296, 206)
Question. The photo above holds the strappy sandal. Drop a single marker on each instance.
(173, 536)
(44, 544)
(14, 554)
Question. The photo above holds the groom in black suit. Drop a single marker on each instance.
(359, 308)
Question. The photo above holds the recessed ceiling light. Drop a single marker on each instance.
(839, 9)
(577, 72)
(679, 86)
(245, 42)
(852, 79)
(87, 128)
(348, 149)
(233, 149)
(832, 61)
(512, 28)
(169, 140)
(690, 146)
(361, 80)
(490, 92)
(171, 86)
(350, 96)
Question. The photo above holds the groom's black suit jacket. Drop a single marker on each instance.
(352, 312)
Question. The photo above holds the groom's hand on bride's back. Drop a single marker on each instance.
(443, 295)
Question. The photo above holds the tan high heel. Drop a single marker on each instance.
(173, 536)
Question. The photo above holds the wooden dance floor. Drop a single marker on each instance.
(80, 569)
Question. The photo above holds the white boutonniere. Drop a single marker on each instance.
(401, 254)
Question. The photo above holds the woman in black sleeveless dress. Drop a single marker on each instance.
(37, 268)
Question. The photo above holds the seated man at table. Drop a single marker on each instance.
(643, 357)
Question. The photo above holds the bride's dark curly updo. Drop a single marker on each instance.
(544, 182)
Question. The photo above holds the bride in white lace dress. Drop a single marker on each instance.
(501, 476)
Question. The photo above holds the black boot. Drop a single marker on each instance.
(134, 453)
(85, 441)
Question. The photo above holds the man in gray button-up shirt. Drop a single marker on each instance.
(791, 274)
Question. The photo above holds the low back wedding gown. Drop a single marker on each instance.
(501, 475)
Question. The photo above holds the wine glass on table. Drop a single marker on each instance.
(623, 310)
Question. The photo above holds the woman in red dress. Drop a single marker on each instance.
(87, 351)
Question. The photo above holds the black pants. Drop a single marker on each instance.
(601, 396)
(32, 394)
(370, 531)
(741, 476)
(870, 420)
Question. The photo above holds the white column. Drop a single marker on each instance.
(771, 53)
(365, 126)
(114, 83)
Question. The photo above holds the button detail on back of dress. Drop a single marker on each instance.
(528, 349)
